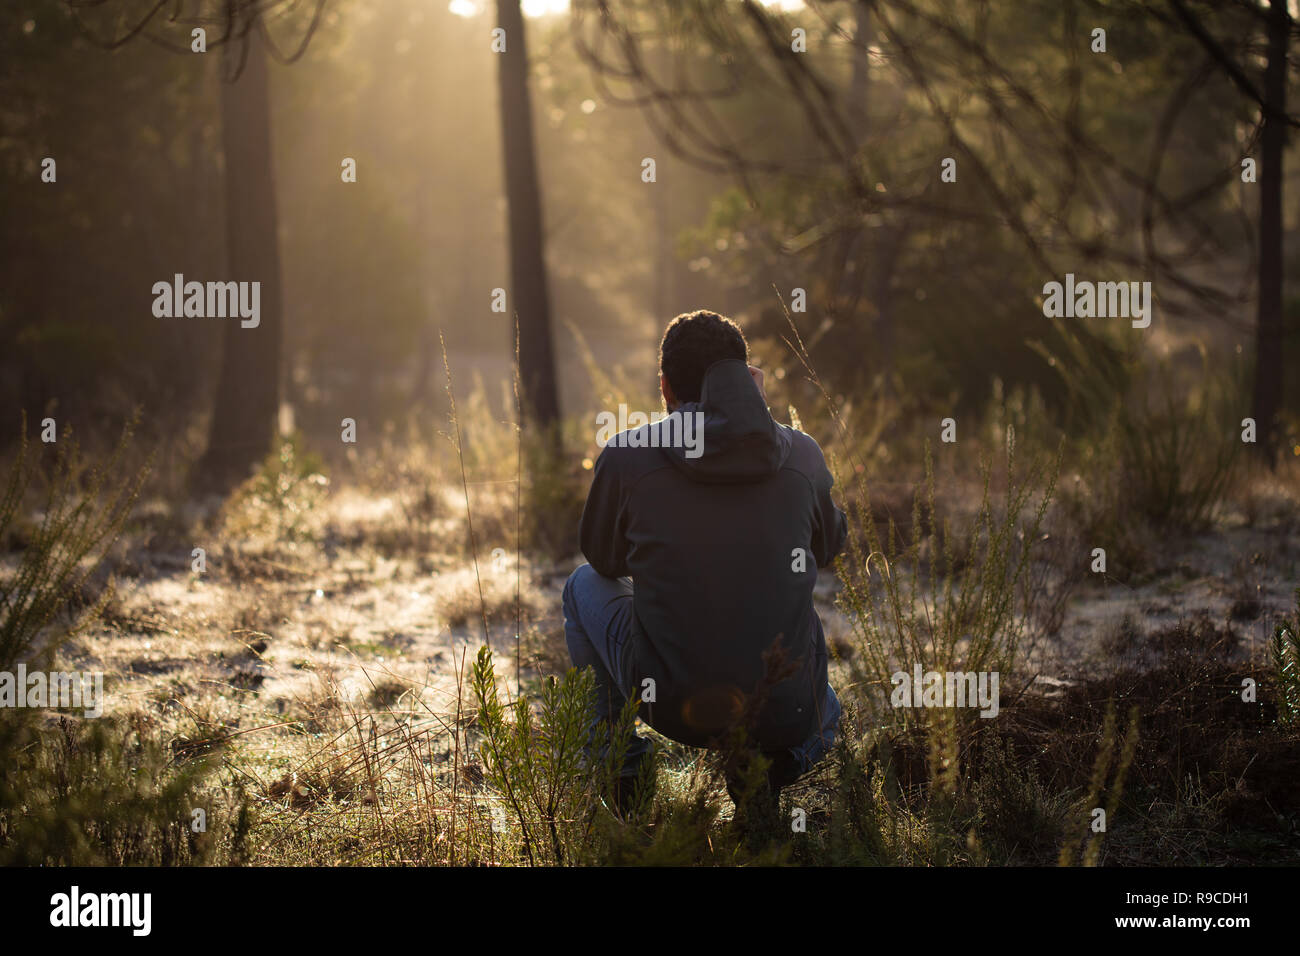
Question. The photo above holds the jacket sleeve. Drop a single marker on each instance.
(830, 526)
(603, 532)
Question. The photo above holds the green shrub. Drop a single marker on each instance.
(1177, 459)
(81, 514)
(281, 500)
(948, 600)
(537, 764)
(1014, 813)
(1165, 461)
(104, 793)
(1284, 651)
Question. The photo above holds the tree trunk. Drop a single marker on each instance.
(246, 407)
(871, 252)
(661, 274)
(1268, 339)
(528, 293)
(860, 80)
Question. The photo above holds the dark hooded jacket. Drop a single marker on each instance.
(722, 541)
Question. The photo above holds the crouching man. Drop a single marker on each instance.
(704, 536)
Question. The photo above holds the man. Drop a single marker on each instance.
(704, 545)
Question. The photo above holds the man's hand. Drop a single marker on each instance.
(756, 374)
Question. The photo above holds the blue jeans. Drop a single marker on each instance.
(597, 625)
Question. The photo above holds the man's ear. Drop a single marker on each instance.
(670, 400)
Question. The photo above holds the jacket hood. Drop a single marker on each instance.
(740, 440)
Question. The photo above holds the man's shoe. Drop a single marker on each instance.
(759, 812)
(634, 788)
(782, 770)
(629, 794)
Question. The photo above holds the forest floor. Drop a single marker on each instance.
(277, 650)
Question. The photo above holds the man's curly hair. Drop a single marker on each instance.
(692, 342)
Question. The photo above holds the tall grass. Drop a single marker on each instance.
(108, 793)
(946, 601)
(948, 598)
(87, 792)
(1114, 757)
